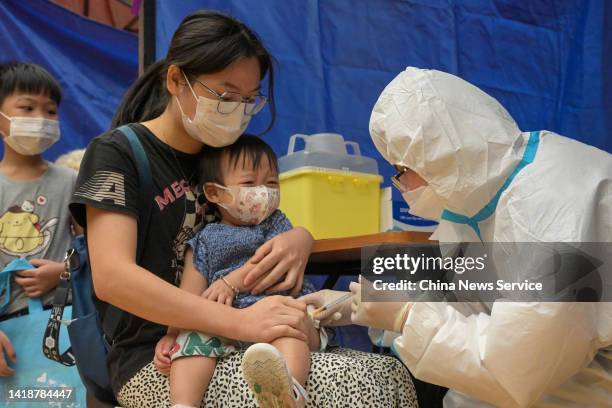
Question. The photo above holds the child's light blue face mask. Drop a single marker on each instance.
(251, 205)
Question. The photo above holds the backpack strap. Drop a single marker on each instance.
(112, 315)
(146, 185)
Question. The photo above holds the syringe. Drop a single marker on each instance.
(333, 303)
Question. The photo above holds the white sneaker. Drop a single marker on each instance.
(265, 371)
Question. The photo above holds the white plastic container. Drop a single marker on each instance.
(327, 150)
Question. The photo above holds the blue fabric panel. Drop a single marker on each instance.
(94, 63)
(548, 62)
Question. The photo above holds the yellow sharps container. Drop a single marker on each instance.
(331, 203)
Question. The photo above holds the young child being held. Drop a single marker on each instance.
(242, 181)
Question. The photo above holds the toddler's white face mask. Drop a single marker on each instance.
(251, 205)
(31, 136)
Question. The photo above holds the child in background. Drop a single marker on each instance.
(34, 220)
(242, 181)
(71, 160)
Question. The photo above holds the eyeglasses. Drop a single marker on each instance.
(395, 180)
(230, 101)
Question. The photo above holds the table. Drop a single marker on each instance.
(342, 256)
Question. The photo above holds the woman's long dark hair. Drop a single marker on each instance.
(206, 42)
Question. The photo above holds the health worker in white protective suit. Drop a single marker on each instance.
(463, 161)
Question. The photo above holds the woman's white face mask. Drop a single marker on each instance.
(211, 127)
(31, 136)
(424, 202)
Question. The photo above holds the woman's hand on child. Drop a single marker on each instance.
(163, 351)
(314, 338)
(273, 317)
(36, 282)
(6, 349)
(280, 263)
(219, 292)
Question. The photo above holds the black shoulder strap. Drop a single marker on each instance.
(51, 338)
(112, 316)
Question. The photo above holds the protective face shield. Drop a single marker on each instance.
(211, 127)
(251, 205)
(31, 136)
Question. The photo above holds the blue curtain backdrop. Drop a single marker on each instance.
(94, 63)
(547, 61)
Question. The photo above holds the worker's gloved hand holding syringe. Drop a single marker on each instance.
(332, 307)
(337, 308)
